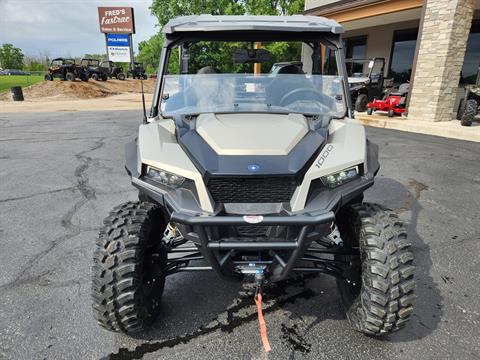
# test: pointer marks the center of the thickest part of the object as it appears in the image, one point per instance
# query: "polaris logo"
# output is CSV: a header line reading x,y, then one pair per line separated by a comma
x,y
253,168
253,219
323,156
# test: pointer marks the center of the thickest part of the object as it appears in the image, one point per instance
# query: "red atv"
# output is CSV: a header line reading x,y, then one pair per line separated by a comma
x,y
393,103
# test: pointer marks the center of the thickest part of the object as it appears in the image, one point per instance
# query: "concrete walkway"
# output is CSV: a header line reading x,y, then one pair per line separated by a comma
x,y
449,129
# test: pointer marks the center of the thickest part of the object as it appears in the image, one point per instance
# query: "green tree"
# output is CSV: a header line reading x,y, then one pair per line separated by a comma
x,y
11,57
165,10
149,52
218,53
95,56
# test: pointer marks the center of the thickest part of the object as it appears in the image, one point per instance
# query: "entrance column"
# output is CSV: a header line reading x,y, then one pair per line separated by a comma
x,y
443,41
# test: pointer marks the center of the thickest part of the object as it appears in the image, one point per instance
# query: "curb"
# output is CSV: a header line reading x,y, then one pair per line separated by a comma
x,y
450,129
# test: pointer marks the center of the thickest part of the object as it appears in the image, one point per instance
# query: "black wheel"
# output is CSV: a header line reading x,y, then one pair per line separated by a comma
x,y
128,267
461,109
361,103
121,76
84,76
104,77
95,77
48,77
378,292
391,113
70,76
469,113
369,111
145,77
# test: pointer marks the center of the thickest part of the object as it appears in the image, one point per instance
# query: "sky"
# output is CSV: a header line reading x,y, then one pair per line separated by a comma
x,y
66,28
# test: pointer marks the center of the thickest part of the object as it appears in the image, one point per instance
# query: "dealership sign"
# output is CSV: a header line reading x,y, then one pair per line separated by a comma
x,y
118,46
116,20
118,40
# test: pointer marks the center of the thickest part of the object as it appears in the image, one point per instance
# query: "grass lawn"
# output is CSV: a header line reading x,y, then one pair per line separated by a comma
x,y
7,81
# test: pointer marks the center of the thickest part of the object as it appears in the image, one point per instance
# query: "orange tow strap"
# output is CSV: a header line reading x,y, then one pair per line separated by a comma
x,y
263,325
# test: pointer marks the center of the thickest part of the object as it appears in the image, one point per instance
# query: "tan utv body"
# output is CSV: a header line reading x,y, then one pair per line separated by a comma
x,y
253,176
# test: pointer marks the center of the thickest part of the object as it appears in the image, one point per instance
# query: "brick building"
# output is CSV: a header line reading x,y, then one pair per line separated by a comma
x,y
434,44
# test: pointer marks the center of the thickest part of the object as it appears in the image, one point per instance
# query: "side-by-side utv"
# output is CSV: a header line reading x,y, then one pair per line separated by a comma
x,y
137,71
469,102
366,79
95,71
66,69
112,70
253,176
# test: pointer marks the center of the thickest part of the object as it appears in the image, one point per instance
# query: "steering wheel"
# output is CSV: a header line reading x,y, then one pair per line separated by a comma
x,y
316,95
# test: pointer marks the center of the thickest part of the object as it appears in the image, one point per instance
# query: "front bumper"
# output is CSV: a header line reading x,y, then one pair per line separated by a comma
x,y
222,250
286,253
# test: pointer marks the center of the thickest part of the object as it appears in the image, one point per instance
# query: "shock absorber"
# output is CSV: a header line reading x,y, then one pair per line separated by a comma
x,y
334,236
171,235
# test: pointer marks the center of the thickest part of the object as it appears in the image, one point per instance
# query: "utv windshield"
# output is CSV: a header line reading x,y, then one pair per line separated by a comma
x,y
284,93
222,77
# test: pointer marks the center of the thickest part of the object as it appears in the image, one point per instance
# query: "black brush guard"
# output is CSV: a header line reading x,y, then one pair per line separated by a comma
x,y
312,228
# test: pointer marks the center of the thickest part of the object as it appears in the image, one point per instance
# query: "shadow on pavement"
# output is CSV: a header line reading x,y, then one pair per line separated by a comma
x,y
428,307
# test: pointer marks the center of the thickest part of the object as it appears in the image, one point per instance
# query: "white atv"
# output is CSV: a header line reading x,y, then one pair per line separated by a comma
x,y
249,174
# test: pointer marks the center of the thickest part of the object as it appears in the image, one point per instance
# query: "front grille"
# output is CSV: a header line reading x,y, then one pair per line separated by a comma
x,y
253,231
251,189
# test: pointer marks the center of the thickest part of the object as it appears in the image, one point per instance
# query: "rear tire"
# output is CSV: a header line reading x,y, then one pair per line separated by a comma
x,y
361,103
380,295
70,76
121,76
128,275
369,111
48,77
95,77
391,113
469,113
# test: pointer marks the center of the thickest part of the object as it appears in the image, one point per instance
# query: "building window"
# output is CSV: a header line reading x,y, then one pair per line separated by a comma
x,y
355,48
403,52
472,55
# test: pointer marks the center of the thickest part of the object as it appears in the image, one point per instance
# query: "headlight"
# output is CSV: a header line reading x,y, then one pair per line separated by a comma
x,y
164,177
341,177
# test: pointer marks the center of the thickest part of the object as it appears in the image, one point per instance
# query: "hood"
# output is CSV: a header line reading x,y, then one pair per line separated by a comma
x,y
247,134
251,144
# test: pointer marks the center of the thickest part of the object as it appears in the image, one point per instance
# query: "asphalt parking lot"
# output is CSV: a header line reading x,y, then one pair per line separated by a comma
x,y
60,173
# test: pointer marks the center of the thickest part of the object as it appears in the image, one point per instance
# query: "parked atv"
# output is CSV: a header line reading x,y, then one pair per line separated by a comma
x,y
137,71
112,70
253,177
94,69
66,69
469,103
366,81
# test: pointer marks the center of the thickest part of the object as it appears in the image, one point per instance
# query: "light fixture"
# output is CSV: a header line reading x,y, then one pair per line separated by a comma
x,y
341,177
164,177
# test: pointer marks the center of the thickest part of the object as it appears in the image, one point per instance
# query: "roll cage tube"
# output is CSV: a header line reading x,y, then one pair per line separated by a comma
x,y
329,40
340,58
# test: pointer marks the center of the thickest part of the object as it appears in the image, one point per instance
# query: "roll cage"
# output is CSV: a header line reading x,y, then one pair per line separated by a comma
x,y
311,30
